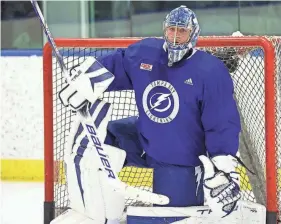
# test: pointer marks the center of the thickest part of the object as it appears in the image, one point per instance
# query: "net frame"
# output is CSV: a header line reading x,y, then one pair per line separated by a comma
x,y
270,104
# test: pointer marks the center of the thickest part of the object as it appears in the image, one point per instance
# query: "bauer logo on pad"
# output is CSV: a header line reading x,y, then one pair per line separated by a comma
x,y
147,67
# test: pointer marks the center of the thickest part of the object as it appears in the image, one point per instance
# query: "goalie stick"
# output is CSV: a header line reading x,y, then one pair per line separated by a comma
x,y
90,128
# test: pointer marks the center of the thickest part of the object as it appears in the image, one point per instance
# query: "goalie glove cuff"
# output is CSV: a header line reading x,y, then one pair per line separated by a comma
x,y
221,188
228,164
225,163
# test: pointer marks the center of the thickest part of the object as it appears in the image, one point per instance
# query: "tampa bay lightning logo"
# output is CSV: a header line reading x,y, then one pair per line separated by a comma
x,y
160,101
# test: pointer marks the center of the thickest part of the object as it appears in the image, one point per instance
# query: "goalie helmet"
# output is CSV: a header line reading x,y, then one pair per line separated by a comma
x,y
180,23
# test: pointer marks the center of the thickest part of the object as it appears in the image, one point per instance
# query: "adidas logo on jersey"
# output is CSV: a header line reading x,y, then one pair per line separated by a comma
x,y
189,82
147,67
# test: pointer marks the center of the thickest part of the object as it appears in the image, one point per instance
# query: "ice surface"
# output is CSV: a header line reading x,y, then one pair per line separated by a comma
x,y
21,203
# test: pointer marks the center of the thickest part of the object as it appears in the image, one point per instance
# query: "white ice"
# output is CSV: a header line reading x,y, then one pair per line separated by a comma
x,y
21,203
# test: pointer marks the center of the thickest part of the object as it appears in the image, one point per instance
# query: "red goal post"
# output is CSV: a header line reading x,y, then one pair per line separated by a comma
x,y
242,45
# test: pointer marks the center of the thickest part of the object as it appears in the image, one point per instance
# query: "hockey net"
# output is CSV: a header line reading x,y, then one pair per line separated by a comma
x,y
257,82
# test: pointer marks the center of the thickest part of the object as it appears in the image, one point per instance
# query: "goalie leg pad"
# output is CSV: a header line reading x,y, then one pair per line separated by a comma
x,y
100,113
157,215
246,212
117,157
183,185
90,190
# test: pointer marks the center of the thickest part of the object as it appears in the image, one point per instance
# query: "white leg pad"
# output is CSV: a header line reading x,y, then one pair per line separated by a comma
x,y
246,212
116,156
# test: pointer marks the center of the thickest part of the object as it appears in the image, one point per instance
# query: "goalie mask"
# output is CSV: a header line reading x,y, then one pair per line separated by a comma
x,y
181,31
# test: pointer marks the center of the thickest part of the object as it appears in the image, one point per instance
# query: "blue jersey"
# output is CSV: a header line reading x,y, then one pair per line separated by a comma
x,y
185,110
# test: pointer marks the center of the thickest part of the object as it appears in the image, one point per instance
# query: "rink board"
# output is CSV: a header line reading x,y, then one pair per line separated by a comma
x,y
33,171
